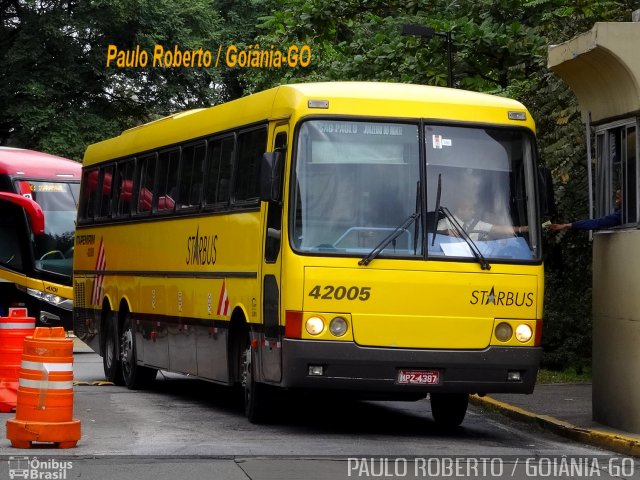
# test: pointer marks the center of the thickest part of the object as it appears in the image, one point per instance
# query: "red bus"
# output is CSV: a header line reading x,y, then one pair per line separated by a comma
x,y
36,260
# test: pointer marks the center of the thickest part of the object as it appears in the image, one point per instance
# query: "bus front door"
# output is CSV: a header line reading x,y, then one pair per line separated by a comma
x,y
271,358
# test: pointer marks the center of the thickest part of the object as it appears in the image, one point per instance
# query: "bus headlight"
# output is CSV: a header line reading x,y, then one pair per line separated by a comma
x,y
338,326
51,299
314,325
523,333
504,332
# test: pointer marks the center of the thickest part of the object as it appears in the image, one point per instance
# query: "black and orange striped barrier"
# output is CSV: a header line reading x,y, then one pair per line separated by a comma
x,y
13,330
44,410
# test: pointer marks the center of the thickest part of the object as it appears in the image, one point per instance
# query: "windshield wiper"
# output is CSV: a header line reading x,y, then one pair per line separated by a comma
x,y
416,231
388,239
465,236
437,210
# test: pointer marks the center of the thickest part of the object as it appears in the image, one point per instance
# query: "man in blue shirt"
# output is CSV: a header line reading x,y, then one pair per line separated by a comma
x,y
608,221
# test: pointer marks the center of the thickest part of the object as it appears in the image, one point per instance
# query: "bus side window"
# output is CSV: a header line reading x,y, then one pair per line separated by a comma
x,y
251,147
191,175
147,170
107,182
125,194
274,213
88,198
167,180
145,199
11,219
218,171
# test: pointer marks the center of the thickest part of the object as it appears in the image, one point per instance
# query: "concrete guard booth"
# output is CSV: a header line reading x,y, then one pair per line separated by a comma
x,y
602,67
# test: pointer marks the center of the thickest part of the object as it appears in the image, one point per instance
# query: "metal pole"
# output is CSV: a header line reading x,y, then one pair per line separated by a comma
x,y
450,60
426,32
589,172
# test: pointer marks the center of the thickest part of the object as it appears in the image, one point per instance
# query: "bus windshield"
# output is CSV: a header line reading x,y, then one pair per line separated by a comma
x,y
59,200
357,182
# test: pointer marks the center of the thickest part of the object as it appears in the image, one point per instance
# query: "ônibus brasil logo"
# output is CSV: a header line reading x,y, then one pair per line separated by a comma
x,y
33,468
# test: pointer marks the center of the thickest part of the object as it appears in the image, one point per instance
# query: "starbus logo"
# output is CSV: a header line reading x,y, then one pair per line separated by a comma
x,y
32,468
201,249
504,298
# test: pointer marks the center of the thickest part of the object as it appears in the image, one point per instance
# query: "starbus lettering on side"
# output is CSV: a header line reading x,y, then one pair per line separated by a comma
x,y
201,249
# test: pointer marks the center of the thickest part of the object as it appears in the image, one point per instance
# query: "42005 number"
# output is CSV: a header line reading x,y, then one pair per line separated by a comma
x,y
340,292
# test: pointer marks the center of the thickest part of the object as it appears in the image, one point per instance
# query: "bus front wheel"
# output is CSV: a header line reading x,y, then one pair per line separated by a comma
x,y
449,409
135,376
110,362
255,407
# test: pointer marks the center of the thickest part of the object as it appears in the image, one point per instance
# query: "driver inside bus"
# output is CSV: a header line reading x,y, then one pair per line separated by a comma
x,y
465,215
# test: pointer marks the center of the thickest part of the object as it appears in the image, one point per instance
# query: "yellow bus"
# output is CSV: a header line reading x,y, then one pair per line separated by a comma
x,y
312,236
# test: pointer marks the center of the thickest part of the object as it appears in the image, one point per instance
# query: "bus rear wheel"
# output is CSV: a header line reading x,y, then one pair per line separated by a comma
x,y
449,409
135,376
255,395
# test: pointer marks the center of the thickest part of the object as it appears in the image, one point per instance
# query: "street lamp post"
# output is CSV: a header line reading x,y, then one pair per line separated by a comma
x,y
426,32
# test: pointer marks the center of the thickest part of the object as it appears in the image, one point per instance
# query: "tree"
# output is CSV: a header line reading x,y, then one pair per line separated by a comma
x,y
57,92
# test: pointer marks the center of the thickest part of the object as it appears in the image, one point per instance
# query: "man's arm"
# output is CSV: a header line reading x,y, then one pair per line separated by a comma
x,y
608,221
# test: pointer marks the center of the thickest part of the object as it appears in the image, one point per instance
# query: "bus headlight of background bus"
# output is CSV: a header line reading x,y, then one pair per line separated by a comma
x,y
51,299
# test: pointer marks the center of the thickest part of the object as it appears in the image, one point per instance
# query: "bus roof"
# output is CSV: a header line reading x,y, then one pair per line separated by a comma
x,y
366,99
21,163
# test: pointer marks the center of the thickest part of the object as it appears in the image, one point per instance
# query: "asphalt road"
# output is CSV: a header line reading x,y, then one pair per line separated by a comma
x,y
185,428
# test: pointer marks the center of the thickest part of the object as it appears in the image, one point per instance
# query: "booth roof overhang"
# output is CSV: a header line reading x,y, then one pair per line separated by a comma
x,y
602,67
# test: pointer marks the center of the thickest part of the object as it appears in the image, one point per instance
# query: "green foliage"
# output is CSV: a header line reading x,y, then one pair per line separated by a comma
x,y
568,375
58,95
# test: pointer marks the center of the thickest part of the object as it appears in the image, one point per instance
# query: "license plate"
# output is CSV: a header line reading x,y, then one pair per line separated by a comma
x,y
419,377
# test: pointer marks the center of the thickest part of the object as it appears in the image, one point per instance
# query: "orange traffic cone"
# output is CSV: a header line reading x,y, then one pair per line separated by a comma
x,y
13,330
44,411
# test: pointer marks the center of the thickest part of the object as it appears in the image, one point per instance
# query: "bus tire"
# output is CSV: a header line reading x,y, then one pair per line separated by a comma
x,y
110,359
448,409
135,376
255,393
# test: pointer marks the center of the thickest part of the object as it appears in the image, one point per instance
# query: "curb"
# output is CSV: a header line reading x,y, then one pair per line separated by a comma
x,y
610,441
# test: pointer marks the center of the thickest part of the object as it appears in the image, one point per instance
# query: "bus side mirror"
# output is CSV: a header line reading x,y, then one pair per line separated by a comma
x,y
545,191
31,208
271,177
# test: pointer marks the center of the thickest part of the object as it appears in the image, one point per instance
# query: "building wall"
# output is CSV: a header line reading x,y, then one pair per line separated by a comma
x,y
616,329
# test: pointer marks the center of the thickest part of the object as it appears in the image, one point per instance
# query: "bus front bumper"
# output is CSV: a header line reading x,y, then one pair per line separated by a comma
x,y
348,366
